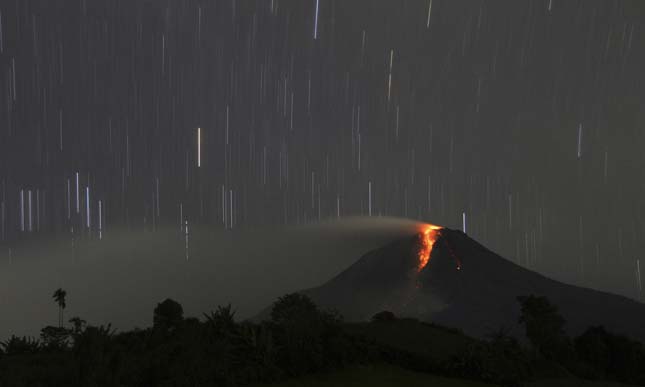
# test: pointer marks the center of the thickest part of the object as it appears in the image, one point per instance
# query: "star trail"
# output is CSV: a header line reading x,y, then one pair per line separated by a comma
x,y
524,118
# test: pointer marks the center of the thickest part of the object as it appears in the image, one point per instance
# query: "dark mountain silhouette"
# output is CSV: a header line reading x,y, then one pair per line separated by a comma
x,y
467,286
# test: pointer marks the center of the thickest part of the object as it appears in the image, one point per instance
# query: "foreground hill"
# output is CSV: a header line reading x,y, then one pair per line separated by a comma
x,y
378,376
467,286
389,376
304,345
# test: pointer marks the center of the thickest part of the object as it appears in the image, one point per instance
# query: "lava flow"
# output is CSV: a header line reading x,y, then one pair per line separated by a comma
x,y
429,234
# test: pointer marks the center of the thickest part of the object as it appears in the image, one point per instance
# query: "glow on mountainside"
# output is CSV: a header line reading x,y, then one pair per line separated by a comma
x,y
428,235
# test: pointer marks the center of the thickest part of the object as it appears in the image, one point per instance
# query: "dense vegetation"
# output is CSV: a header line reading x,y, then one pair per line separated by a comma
x,y
300,339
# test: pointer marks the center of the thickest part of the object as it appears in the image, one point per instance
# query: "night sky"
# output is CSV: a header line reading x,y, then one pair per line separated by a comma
x,y
521,120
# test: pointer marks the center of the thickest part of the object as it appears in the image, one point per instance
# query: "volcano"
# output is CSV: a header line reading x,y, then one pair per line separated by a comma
x,y
444,276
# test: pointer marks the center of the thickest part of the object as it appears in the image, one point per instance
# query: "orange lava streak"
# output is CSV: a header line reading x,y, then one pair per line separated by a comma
x,y
429,234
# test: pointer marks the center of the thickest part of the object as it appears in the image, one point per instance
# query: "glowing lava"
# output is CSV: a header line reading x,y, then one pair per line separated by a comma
x,y
428,234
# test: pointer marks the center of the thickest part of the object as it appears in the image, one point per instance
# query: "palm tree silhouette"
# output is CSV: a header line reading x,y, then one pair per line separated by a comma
x,y
59,297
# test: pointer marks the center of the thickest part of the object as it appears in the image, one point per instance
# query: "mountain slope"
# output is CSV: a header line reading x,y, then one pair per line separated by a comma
x,y
467,286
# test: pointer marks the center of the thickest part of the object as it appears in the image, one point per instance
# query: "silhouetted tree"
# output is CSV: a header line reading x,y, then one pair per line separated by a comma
x,y
293,307
611,356
20,345
221,337
93,352
385,315
78,325
59,296
545,328
222,319
168,314
305,334
54,338
500,360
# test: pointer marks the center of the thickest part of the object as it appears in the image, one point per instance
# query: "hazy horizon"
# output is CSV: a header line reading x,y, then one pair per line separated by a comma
x,y
122,277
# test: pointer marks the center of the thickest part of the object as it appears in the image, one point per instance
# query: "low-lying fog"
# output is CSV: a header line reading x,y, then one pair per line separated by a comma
x,y
121,278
